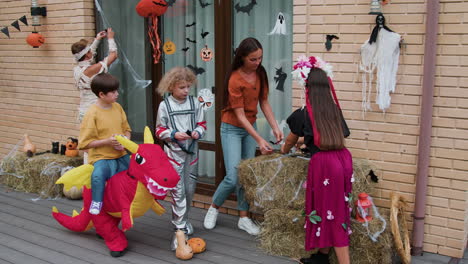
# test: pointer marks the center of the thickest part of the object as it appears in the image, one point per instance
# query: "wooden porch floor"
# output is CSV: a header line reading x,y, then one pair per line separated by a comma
x,y
29,234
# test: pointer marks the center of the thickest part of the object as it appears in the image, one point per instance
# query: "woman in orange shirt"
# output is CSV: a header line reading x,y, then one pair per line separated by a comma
x,y
246,87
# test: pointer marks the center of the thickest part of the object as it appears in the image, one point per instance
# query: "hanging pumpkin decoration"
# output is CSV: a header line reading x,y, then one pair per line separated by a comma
x,y
197,244
72,147
152,9
169,47
35,39
206,54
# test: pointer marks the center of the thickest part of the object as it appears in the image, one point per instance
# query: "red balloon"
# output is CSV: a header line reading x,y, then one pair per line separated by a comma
x,y
147,8
35,39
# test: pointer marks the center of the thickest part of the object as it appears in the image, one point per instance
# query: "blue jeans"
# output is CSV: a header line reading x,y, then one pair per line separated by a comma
x,y
103,170
237,144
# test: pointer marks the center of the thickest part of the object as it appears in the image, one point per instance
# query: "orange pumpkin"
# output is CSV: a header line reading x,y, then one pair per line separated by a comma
x,y
197,244
147,8
35,39
72,147
206,54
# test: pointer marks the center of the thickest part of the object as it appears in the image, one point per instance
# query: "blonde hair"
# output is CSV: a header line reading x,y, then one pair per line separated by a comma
x,y
172,77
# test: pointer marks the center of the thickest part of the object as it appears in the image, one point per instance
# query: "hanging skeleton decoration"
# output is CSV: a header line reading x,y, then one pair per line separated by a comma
x,y
280,26
380,53
206,98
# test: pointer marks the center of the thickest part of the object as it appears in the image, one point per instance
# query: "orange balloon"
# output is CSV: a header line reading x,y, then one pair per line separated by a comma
x,y
35,39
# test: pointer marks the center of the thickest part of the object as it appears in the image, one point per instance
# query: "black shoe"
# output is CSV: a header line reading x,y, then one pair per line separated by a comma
x,y
318,258
117,254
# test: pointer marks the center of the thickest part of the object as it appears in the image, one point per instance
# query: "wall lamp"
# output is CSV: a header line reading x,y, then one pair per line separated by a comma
x,y
375,7
36,12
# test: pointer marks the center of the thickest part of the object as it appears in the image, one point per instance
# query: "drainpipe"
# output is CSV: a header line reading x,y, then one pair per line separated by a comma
x,y
425,129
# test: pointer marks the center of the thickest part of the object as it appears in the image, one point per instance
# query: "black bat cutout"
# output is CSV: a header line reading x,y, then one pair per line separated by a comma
x,y
186,49
159,4
189,25
328,43
203,5
196,70
170,2
247,8
189,40
374,177
203,34
280,78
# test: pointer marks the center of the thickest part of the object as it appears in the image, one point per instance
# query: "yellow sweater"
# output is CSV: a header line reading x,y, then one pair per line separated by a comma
x,y
99,123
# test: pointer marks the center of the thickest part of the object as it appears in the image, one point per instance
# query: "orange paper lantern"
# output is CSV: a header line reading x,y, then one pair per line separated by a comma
x,y
35,39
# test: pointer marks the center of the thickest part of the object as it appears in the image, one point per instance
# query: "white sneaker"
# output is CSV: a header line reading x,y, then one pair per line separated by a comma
x,y
210,218
95,208
248,226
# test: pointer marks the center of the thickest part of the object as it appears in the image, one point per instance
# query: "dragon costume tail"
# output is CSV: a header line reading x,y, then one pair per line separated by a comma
x,y
78,222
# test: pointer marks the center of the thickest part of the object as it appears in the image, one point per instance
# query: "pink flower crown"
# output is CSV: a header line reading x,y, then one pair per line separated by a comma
x,y
303,66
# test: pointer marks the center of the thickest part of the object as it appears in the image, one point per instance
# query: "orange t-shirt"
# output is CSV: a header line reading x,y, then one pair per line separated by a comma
x,y
242,94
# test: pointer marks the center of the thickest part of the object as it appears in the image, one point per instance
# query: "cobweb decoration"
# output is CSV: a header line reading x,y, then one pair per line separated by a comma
x,y
133,79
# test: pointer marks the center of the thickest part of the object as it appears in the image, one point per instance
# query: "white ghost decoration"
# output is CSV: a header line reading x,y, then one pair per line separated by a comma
x,y
205,97
280,26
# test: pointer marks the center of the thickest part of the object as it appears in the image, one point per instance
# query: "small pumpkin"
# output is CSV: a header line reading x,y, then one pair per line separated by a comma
x,y
28,147
206,54
183,250
72,147
35,39
73,193
169,47
197,244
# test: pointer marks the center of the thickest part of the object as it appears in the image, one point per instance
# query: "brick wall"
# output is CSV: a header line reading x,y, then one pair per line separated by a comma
x,y
37,95
390,140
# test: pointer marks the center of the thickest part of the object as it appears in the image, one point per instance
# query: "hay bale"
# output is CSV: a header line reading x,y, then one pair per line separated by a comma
x,y
275,181
363,250
36,174
283,233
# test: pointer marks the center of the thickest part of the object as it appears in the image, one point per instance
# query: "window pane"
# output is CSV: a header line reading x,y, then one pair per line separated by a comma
x,y
269,21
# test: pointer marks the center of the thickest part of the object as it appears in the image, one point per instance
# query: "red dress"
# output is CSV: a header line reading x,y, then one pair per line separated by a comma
x,y
329,185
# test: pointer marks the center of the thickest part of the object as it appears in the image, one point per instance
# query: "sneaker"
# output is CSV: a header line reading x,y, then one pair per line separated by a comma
x,y
95,208
189,227
174,243
210,218
248,226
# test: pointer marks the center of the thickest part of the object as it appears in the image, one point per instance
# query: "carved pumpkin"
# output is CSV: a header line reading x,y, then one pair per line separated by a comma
x,y
147,8
183,251
28,147
197,244
72,145
206,54
74,193
35,39
169,47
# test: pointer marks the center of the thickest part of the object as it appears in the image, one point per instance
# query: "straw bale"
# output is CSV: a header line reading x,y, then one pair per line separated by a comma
x,y
36,174
275,181
283,234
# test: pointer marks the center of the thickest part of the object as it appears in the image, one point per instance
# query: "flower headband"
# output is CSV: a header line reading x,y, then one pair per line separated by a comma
x,y
303,66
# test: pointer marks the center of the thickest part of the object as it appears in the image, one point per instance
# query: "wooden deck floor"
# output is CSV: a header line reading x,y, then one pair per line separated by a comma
x,y
29,234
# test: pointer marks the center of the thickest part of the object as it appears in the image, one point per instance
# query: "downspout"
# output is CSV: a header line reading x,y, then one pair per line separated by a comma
x,y
425,129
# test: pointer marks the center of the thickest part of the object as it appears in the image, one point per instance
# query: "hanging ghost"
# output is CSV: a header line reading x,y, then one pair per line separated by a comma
x,y
206,98
280,26
380,53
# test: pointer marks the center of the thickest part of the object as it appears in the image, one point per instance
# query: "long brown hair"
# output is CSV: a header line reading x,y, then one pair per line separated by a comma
x,y
327,115
246,47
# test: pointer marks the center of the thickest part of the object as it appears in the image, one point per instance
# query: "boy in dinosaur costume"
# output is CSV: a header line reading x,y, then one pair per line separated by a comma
x,y
127,194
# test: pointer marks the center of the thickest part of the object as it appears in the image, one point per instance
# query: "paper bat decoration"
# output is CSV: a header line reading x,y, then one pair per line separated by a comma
x,y
328,43
203,5
203,34
196,70
185,49
189,40
189,25
247,8
280,78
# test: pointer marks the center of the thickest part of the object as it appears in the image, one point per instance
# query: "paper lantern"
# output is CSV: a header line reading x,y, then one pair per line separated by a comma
x,y
35,39
152,9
